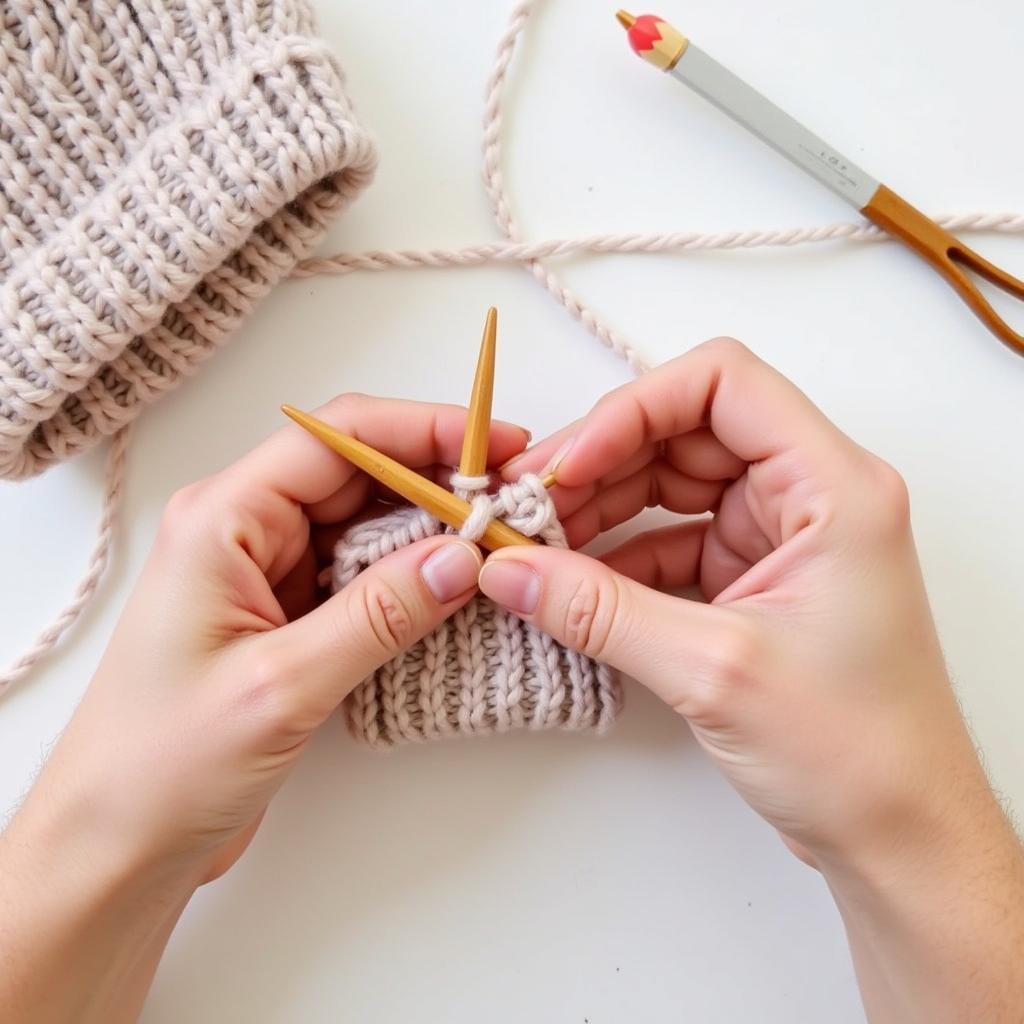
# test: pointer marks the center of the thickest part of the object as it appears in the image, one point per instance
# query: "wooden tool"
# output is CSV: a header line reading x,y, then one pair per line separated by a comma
x,y
668,49
473,461
410,485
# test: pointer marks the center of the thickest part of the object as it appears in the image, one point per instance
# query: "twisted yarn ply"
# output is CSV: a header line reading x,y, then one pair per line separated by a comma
x,y
484,670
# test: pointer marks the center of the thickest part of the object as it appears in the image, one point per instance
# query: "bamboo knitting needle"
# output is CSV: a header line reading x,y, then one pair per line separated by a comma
x,y
473,461
668,49
436,500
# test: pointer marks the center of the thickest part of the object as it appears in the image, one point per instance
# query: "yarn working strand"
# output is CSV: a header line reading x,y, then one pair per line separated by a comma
x,y
512,250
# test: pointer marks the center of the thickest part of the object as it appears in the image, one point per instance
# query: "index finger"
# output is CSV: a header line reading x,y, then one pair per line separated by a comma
x,y
297,466
751,408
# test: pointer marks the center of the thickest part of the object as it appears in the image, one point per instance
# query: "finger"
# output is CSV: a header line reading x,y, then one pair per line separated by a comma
x,y
721,566
352,496
665,559
753,411
256,504
297,466
312,664
701,455
669,644
325,538
297,592
541,457
656,486
344,503
738,523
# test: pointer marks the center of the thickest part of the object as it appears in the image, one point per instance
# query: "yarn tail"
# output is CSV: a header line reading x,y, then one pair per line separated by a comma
x,y
86,589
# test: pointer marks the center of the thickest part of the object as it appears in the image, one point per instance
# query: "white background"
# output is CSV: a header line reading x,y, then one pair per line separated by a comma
x,y
559,878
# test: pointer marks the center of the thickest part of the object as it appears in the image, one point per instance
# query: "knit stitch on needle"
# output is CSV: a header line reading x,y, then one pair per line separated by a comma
x,y
484,670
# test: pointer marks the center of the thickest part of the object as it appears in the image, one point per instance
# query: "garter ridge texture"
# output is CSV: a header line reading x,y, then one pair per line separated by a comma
x,y
163,163
484,670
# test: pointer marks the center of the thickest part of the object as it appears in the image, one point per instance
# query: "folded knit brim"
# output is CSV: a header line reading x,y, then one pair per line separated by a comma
x,y
160,171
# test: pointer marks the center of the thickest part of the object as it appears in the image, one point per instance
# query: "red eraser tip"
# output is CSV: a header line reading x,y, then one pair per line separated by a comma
x,y
644,32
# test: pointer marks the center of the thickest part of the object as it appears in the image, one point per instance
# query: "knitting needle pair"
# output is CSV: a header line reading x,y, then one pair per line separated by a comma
x,y
447,507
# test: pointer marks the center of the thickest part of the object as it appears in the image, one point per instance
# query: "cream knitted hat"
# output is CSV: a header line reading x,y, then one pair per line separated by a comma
x,y
163,163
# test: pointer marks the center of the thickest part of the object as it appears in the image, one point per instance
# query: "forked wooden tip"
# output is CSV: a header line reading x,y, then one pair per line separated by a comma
x,y
626,20
473,460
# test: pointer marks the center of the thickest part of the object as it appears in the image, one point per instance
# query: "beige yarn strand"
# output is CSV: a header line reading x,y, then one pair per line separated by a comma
x,y
512,250
98,560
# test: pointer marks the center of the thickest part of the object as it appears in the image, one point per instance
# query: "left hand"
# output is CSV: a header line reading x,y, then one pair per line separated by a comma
x,y
218,673
208,692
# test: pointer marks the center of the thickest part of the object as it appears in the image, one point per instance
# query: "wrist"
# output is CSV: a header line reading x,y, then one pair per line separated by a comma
x,y
935,916
64,837
85,918
42,851
926,853
911,799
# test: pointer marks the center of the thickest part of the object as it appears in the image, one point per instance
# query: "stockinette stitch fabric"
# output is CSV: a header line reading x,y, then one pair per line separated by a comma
x,y
163,163
484,670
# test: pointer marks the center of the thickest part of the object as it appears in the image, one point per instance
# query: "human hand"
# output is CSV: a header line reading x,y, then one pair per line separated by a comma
x,y
219,671
816,658
813,677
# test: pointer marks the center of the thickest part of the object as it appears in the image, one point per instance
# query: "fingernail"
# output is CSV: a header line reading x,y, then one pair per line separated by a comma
x,y
557,459
520,427
512,584
451,571
511,462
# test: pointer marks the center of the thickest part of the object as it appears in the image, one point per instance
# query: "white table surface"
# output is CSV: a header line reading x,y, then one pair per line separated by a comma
x,y
558,878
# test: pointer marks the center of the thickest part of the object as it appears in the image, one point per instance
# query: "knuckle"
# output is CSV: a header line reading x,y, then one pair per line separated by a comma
x,y
591,613
890,499
385,617
727,349
181,508
607,400
735,661
269,696
345,405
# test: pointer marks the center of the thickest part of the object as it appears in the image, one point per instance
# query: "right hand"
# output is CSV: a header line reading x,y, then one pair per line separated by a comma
x,y
814,677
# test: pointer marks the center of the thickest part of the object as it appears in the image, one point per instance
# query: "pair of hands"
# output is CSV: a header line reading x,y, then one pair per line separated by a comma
x,y
812,676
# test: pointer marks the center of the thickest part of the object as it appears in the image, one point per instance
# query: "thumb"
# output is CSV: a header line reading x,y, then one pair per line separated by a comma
x,y
325,654
669,644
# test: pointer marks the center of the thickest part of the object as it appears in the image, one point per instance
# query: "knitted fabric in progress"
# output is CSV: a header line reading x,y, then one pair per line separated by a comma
x,y
484,670
162,165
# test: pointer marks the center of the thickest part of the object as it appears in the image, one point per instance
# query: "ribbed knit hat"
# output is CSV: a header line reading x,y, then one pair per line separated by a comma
x,y
162,165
